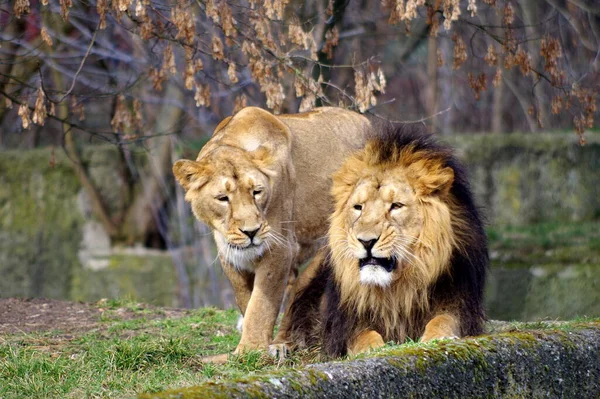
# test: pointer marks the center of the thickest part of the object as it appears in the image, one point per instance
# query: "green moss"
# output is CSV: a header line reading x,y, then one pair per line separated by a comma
x,y
150,278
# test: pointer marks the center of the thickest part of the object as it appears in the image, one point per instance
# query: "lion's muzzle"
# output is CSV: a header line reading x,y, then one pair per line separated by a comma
x,y
376,271
389,264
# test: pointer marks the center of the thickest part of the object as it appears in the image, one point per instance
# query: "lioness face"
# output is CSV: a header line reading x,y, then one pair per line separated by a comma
x,y
232,198
382,219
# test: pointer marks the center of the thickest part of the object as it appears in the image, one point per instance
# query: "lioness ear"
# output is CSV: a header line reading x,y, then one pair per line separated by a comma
x,y
434,179
189,172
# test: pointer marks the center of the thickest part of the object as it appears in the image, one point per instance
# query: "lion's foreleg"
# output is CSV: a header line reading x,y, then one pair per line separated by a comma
x,y
263,307
445,325
365,341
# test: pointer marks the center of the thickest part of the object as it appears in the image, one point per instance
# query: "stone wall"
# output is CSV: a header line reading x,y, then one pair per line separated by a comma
x,y
40,224
532,178
50,246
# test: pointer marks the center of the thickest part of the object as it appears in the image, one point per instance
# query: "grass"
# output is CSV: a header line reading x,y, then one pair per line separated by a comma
x,y
125,357
121,357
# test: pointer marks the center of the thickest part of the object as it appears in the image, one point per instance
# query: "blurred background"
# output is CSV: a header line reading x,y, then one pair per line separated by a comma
x,y
99,98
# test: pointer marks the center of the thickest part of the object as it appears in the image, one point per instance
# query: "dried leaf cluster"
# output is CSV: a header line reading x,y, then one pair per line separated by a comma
x,y
211,47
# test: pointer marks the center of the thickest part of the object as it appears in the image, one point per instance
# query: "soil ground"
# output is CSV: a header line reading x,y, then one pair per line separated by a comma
x,y
27,315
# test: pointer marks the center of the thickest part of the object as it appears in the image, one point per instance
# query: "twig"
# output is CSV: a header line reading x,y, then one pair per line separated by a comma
x,y
422,120
87,53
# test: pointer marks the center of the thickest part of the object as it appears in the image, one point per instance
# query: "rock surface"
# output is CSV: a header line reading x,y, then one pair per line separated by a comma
x,y
556,363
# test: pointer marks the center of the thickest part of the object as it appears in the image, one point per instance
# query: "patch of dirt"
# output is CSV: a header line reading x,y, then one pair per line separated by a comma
x,y
19,315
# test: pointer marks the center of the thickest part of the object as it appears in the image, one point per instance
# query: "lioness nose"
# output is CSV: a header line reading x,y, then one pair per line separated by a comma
x,y
368,244
250,233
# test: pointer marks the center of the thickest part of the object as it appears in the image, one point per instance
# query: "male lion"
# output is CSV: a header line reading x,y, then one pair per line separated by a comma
x,y
262,184
407,253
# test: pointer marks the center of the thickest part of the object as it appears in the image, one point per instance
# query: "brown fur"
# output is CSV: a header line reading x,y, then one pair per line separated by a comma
x,y
274,172
410,196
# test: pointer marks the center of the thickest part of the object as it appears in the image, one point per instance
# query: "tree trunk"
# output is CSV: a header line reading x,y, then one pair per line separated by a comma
x,y
498,125
532,30
98,207
147,201
432,77
339,6
522,100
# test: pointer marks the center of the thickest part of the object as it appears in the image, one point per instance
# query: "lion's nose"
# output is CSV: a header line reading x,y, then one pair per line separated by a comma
x,y
368,244
250,233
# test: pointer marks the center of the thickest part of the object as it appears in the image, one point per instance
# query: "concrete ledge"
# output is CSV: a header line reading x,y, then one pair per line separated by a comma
x,y
562,362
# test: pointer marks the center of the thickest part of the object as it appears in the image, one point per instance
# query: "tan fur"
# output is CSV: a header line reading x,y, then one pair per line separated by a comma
x,y
420,234
442,326
366,341
288,160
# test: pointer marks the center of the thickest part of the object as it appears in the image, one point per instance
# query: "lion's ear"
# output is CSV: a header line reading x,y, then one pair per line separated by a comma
x,y
433,178
190,173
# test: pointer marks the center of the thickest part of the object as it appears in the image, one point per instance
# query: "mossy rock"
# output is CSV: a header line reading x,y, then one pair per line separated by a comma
x,y
559,362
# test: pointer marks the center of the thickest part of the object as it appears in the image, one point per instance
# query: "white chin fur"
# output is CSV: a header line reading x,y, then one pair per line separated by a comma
x,y
375,275
241,259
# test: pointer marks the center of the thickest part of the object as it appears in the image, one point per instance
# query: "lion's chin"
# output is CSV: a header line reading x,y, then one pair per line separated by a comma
x,y
376,276
376,271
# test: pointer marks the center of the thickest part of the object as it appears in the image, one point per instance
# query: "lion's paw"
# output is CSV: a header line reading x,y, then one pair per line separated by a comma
x,y
279,351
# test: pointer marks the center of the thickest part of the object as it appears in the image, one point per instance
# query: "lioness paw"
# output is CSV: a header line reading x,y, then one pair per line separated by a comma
x,y
215,359
240,324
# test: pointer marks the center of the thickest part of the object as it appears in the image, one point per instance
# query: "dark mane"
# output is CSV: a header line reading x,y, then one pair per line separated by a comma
x,y
390,137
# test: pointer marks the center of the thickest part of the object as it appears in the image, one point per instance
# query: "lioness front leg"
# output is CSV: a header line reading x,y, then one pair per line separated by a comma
x,y
365,341
270,280
242,283
282,344
444,325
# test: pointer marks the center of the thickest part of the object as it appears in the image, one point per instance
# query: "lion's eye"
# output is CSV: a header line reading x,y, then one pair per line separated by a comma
x,y
256,192
396,205
358,207
223,198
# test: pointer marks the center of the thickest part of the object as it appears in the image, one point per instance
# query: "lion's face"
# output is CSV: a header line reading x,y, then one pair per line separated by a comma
x,y
230,193
391,222
382,221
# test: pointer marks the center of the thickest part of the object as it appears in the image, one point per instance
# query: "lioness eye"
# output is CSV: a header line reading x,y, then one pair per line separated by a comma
x,y
223,198
256,192
358,207
396,205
